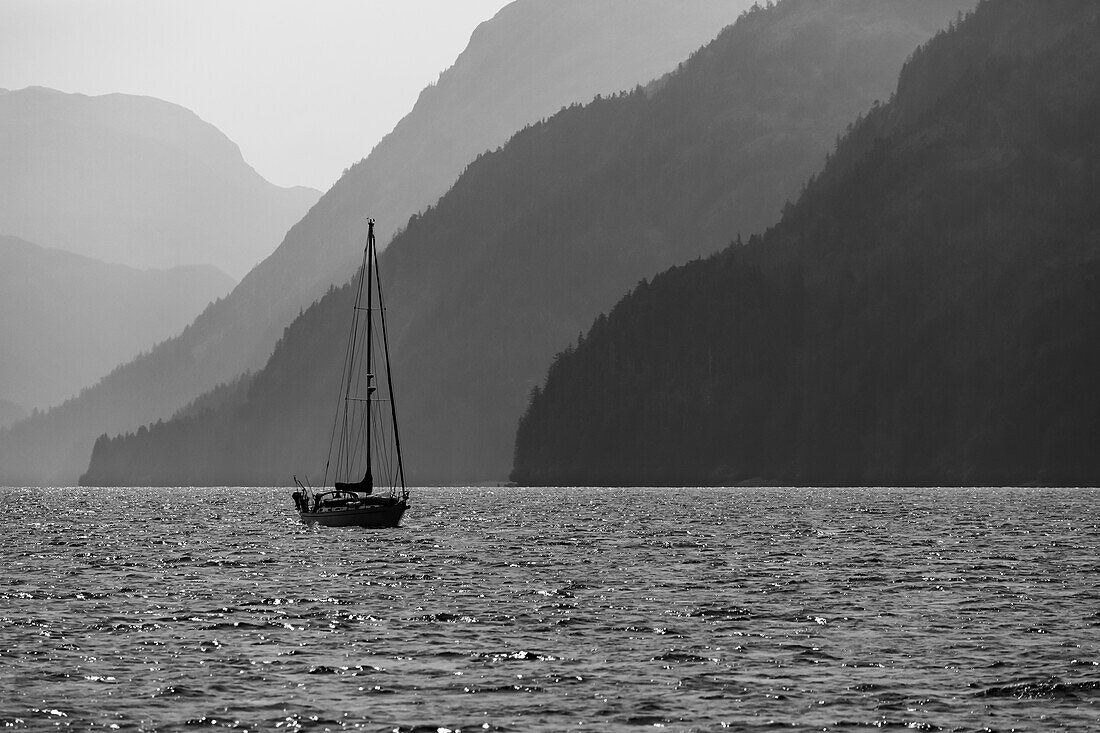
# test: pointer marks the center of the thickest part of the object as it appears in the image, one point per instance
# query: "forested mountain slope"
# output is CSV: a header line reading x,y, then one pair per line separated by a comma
x,y
928,313
137,181
66,320
533,58
536,239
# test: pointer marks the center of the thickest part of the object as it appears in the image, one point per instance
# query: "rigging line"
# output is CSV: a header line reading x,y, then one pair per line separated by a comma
x,y
384,446
349,363
336,413
348,425
353,443
388,470
379,427
389,383
377,439
347,445
386,459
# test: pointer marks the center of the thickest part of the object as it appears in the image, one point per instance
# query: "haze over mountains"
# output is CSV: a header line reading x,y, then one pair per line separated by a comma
x,y
135,180
11,412
66,320
500,83
928,313
538,238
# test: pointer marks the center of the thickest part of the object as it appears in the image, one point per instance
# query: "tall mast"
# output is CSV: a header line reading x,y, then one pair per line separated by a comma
x,y
370,344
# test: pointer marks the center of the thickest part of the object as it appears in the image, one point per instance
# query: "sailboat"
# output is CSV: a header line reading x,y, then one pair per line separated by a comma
x,y
364,456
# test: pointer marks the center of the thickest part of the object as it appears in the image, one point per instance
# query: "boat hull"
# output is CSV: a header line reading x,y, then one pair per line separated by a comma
x,y
369,516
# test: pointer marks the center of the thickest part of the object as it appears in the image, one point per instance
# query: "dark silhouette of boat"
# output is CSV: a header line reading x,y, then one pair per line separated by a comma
x,y
365,442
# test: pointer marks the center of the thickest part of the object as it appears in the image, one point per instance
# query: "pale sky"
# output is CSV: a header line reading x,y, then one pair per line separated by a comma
x,y
305,87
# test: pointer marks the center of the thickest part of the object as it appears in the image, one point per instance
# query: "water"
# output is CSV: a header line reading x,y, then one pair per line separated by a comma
x,y
520,609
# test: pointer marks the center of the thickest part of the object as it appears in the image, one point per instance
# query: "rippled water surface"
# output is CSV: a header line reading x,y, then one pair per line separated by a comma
x,y
522,609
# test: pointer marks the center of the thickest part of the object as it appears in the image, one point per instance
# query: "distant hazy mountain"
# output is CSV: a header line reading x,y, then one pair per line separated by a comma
x,y
135,180
66,320
533,58
929,312
538,238
10,412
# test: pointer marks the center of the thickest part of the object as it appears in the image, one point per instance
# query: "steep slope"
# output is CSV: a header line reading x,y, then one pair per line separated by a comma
x,y
536,239
10,412
66,320
135,180
927,314
497,85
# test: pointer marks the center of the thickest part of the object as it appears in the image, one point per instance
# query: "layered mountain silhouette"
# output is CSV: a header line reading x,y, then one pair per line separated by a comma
x,y
536,239
135,180
66,320
533,58
928,313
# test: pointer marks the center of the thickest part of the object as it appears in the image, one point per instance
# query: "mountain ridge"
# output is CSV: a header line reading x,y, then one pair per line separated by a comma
x,y
53,349
925,314
536,238
134,180
402,174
